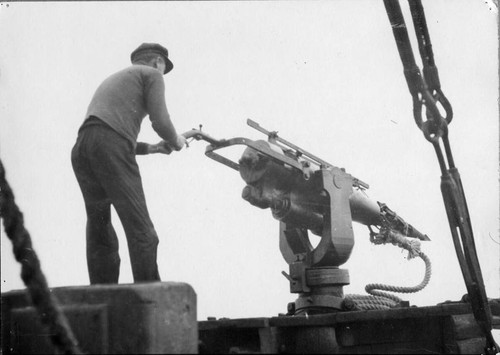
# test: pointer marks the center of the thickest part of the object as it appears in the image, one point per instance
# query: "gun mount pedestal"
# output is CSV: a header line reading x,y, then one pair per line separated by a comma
x,y
314,271
320,289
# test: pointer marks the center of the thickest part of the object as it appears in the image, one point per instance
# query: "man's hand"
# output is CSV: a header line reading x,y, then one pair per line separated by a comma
x,y
165,147
180,142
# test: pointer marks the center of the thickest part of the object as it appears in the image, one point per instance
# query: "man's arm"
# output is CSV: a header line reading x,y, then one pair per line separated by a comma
x,y
142,148
146,148
158,113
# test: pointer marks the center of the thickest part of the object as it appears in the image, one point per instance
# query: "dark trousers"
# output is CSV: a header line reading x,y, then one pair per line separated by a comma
x,y
107,172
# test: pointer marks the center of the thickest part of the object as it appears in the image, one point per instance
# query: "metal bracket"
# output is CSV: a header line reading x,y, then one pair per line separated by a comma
x,y
257,145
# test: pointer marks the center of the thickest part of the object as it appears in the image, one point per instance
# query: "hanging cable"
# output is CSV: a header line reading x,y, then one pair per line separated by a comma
x,y
45,303
426,91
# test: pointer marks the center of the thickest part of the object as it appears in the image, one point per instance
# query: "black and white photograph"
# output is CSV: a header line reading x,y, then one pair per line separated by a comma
x,y
250,176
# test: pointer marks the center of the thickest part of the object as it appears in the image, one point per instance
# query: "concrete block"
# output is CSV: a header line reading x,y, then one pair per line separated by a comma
x,y
146,318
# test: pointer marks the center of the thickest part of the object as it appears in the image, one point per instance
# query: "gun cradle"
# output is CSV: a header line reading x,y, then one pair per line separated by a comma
x,y
322,201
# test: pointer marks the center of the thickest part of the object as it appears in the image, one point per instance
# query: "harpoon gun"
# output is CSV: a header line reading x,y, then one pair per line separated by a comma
x,y
306,193
280,176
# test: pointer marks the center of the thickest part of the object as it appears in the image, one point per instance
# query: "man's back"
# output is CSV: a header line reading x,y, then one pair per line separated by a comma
x,y
126,97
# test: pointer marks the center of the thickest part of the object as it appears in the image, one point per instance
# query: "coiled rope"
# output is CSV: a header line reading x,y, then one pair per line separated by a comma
x,y
45,303
383,300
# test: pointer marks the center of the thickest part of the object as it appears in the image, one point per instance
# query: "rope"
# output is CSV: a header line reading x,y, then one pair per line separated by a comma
x,y
383,300
45,303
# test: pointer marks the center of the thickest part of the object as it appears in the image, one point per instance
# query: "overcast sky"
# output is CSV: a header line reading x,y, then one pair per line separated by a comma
x,y
325,74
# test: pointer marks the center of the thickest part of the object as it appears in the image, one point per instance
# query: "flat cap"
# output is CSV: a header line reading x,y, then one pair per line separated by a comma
x,y
153,48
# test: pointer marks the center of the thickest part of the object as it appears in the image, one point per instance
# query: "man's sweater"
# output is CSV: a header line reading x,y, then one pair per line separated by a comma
x,y
126,97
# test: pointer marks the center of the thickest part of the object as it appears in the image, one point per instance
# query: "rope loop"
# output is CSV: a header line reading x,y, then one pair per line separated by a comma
x,y
383,300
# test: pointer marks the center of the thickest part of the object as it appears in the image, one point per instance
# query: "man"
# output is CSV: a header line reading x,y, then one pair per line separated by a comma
x,y
104,163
